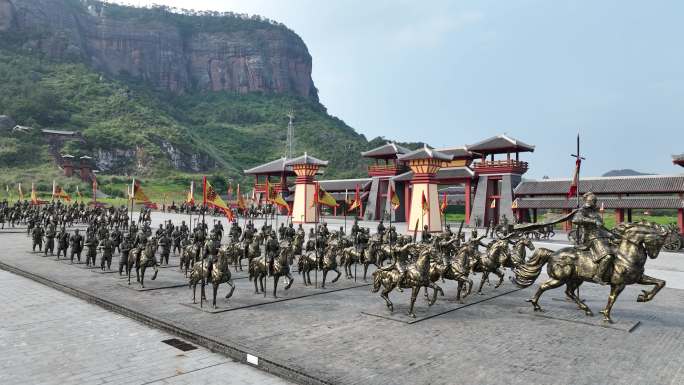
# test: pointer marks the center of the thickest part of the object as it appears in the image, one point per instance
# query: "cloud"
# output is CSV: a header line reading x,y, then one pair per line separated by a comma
x,y
434,30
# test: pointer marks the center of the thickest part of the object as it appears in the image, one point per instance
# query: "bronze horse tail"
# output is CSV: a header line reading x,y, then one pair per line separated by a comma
x,y
377,281
526,274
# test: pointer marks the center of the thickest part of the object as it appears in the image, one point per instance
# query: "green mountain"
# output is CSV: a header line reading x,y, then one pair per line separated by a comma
x,y
157,93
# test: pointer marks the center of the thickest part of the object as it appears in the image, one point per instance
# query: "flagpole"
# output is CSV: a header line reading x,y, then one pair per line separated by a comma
x,y
316,232
346,199
204,207
578,170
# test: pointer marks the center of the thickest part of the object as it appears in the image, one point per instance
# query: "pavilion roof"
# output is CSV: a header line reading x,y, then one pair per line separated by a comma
x,y
276,166
387,150
500,144
345,184
679,159
605,185
306,159
443,173
461,152
424,153
633,202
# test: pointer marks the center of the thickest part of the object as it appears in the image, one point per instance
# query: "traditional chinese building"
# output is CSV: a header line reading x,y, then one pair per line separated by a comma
x,y
678,159
276,172
480,171
622,195
306,168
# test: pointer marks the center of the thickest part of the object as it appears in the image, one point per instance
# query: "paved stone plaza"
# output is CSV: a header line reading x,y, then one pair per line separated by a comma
x,y
345,335
49,337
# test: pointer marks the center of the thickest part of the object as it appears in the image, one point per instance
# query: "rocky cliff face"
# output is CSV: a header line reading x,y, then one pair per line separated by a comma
x,y
173,52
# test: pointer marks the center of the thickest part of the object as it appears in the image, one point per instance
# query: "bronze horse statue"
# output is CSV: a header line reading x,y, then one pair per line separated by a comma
x,y
189,256
572,266
305,264
497,255
142,258
220,273
456,269
258,269
235,251
417,275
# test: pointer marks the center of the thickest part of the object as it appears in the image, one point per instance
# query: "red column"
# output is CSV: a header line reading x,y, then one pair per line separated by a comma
x,y
619,216
680,220
335,211
407,202
467,201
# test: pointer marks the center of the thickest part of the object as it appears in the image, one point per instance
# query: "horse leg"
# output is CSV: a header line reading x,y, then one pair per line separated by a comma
x,y
338,275
646,296
262,277
458,291
290,281
213,302
156,271
325,274
142,276
276,278
303,273
256,289
570,293
385,296
550,284
500,274
482,281
365,270
470,287
194,292
435,289
414,294
232,288
615,291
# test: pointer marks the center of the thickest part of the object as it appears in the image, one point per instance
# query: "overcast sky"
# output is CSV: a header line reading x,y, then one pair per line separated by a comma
x,y
455,72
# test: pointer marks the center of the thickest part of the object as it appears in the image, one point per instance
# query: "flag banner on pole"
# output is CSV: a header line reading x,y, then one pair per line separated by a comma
x,y
190,199
280,201
21,193
34,196
315,197
394,198
356,203
230,191
240,199
574,185
445,203
212,198
424,203
514,205
59,193
493,204
137,192
603,208
325,198
78,193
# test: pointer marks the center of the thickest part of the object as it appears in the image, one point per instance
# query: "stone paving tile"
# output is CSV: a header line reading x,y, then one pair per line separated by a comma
x,y
327,337
48,337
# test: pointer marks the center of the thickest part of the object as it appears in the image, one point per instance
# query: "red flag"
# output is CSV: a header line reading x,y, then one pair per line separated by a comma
x,y
357,200
424,203
574,185
394,198
444,204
